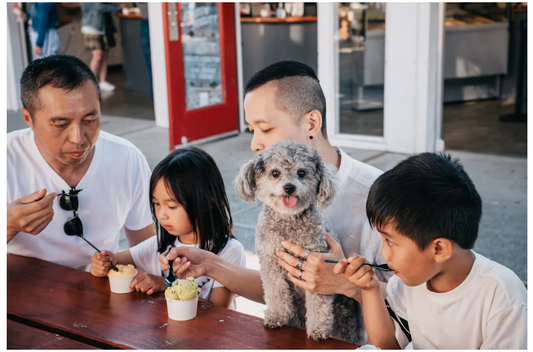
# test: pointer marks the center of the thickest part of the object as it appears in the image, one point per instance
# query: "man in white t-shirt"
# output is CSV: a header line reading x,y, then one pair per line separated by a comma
x,y
102,180
284,101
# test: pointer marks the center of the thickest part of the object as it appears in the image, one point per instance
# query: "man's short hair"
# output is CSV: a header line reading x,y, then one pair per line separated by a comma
x,y
298,89
59,71
425,197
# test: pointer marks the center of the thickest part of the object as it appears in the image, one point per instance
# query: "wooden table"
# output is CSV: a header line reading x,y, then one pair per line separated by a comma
x,y
43,297
25,337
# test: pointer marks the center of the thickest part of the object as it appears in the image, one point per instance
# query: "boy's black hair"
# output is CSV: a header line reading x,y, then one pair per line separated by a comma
x,y
425,197
192,177
59,71
300,95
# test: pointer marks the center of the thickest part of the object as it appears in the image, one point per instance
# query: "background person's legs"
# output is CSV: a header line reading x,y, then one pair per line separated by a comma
x,y
96,62
103,67
102,77
145,45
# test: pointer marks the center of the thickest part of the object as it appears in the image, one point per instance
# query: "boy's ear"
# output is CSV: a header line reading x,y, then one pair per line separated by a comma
x,y
442,249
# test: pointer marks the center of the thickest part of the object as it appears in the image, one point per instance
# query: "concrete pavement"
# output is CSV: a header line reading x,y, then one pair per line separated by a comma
x,y
501,182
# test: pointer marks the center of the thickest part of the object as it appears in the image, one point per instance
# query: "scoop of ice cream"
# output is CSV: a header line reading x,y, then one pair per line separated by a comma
x,y
368,347
183,290
123,271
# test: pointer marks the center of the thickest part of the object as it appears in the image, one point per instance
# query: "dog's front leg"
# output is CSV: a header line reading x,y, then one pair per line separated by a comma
x,y
319,316
278,295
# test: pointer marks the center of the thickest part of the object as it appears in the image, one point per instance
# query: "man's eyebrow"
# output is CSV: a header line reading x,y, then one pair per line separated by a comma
x,y
257,122
92,112
59,119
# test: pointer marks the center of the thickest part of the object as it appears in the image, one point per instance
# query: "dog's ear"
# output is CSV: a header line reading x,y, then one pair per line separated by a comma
x,y
328,186
245,186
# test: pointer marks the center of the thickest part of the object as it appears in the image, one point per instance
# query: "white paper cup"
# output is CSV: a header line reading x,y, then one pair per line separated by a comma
x,y
121,284
182,310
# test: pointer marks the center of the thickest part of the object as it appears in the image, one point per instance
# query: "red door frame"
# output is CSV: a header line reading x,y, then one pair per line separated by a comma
x,y
207,121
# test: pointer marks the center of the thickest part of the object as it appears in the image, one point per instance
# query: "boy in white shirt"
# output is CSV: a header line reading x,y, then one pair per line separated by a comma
x,y
444,295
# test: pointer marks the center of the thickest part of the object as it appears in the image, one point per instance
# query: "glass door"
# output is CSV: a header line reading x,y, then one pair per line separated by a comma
x,y
201,71
361,58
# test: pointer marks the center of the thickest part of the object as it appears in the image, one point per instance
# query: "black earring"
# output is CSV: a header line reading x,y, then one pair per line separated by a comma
x,y
310,137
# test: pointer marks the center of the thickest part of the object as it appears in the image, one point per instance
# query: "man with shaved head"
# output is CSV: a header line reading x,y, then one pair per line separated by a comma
x,y
66,178
284,101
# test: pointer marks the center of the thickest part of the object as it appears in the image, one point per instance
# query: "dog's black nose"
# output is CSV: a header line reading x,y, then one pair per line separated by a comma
x,y
289,188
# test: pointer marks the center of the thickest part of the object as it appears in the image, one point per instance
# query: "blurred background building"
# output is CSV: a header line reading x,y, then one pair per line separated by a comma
x,y
398,77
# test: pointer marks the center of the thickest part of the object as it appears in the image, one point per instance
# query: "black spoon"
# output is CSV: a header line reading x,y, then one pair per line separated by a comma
x,y
169,280
99,251
382,267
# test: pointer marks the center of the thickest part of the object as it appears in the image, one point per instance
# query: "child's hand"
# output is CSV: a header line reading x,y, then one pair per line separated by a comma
x,y
101,263
358,274
148,283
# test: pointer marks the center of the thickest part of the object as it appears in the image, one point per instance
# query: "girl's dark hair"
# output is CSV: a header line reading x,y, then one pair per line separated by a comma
x,y
192,177
425,197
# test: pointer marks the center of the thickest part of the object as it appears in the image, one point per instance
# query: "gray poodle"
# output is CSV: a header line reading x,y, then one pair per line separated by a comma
x,y
293,183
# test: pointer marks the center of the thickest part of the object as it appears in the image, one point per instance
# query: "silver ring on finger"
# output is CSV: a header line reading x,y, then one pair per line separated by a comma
x,y
300,274
306,255
299,264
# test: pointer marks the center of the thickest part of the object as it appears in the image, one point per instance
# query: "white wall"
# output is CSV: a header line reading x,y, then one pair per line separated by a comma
x,y
15,61
413,77
159,66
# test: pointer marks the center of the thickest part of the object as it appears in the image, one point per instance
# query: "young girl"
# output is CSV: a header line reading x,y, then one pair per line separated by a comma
x,y
190,208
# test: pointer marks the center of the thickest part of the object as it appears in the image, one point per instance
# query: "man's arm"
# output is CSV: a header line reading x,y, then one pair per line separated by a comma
x,y
136,237
197,262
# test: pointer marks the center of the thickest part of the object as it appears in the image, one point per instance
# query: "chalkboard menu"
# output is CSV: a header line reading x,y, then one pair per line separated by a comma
x,y
201,54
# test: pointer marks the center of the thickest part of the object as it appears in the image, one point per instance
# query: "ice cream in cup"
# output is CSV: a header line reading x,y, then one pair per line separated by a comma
x,y
182,299
119,281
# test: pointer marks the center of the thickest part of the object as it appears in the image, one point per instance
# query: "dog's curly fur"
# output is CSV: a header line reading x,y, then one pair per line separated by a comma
x,y
295,169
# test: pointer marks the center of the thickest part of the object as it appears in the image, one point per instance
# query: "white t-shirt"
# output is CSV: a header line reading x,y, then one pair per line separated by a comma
x,y
488,310
347,213
146,257
115,194
347,216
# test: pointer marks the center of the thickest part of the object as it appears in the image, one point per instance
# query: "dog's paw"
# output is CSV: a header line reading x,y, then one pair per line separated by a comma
x,y
273,325
274,322
318,335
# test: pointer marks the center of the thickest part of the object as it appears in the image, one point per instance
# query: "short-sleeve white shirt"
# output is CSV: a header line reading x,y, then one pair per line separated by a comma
x,y
146,257
488,310
115,195
347,216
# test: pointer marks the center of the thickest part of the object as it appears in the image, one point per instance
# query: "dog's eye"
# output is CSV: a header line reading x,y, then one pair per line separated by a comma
x,y
301,173
275,173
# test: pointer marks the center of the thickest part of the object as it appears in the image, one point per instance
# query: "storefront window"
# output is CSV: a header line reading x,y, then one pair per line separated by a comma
x,y
200,38
361,67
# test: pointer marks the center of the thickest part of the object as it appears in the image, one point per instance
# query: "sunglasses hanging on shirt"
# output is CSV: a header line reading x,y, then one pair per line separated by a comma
x,y
73,227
